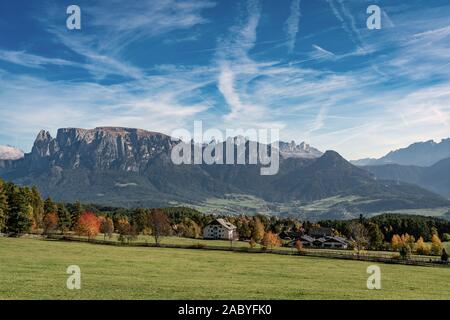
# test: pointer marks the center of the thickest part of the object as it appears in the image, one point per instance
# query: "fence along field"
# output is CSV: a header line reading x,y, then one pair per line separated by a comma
x,y
242,246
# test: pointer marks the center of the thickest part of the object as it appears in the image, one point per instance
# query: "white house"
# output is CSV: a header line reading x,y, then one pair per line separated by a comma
x,y
220,229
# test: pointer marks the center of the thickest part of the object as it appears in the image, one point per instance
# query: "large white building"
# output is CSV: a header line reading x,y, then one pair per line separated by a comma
x,y
220,229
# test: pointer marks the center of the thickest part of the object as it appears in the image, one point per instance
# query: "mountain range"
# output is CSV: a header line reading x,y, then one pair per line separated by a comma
x,y
132,167
426,164
422,154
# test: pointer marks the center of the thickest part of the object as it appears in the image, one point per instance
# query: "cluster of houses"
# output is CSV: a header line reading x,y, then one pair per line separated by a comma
x,y
315,237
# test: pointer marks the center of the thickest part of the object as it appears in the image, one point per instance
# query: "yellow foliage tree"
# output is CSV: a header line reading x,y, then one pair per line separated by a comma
x,y
257,230
436,245
422,247
408,241
396,242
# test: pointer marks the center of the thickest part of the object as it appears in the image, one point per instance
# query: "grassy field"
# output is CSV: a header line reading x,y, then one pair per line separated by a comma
x,y
36,269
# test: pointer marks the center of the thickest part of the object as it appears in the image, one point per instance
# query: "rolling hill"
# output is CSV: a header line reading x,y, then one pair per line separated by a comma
x,y
435,178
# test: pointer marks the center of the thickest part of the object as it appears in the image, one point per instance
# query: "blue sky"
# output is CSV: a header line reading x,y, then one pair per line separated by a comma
x,y
308,67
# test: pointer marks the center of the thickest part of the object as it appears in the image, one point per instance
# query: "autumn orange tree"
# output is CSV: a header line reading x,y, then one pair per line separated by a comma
x,y
87,225
159,224
127,231
271,240
123,228
50,222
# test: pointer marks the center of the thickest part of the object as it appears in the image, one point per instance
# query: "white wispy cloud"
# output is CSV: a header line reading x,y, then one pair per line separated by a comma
x,y
226,86
241,36
158,103
103,50
352,22
387,21
351,108
323,52
30,60
98,64
140,20
235,62
292,24
435,34
319,121
348,24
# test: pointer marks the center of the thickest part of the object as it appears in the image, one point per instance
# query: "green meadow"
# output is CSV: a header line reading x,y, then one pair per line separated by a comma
x,y
36,269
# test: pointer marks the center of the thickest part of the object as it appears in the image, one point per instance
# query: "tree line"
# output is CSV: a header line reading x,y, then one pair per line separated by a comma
x,y
406,234
388,225
23,210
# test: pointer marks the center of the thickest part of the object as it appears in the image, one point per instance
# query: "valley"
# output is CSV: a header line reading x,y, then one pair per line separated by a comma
x,y
328,208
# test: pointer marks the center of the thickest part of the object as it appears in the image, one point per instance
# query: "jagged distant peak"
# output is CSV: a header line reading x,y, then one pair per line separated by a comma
x,y
43,135
301,150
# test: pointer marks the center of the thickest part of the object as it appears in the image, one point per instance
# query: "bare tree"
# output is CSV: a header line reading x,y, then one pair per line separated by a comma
x,y
159,224
360,235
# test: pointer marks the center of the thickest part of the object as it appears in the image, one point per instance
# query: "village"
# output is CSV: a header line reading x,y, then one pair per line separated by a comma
x,y
315,237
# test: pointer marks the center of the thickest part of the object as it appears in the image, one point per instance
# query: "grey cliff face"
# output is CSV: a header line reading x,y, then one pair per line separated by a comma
x,y
102,148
